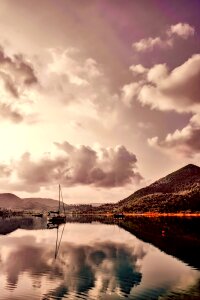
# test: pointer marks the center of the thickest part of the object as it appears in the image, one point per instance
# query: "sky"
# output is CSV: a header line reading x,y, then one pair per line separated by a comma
x,y
101,96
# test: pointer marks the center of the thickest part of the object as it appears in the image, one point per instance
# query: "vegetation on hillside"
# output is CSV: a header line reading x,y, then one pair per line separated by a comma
x,y
177,192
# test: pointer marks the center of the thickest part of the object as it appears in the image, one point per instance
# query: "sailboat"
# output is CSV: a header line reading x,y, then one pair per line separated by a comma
x,y
56,217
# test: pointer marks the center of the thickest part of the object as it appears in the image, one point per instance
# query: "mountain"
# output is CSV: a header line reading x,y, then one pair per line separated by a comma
x,y
8,201
178,191
11,201
39,204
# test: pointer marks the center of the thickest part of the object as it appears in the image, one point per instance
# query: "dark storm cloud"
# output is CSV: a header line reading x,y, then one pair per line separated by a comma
x,y
82,165
34,174
102,167
16,76
16,72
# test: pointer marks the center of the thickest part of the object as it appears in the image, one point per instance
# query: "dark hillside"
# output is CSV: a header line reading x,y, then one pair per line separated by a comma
x,y
8,201
178,191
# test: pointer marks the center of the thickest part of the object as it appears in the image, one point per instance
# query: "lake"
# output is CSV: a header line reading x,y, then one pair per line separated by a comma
x,y
137,258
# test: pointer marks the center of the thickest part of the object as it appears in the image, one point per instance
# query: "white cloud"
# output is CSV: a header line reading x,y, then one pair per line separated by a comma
x,y
69,78
182,30
138,69
176,90
157,73
165,90
185,142
129,91
150,43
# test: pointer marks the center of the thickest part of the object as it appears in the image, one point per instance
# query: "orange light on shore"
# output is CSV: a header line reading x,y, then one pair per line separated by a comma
x,y
151,214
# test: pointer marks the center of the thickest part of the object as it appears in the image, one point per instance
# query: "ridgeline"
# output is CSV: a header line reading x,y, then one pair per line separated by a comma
x,y
174,193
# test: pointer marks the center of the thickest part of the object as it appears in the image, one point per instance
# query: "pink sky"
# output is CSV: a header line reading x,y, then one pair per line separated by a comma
x,y
102,97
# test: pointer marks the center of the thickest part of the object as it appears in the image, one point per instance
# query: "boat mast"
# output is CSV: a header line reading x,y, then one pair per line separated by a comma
x,y
61,195
59,200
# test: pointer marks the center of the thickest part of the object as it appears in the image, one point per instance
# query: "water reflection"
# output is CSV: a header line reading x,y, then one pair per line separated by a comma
x,y
78,267
113,266
58,238
93,261
179,237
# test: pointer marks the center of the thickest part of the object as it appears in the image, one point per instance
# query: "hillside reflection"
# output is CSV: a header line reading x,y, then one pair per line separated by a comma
x,y
179,237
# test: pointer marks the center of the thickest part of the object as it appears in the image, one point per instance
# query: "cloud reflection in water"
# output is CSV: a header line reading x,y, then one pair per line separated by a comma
x,y
104,267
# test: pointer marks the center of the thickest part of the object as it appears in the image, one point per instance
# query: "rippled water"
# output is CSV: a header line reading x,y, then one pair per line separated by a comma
x,y
90,261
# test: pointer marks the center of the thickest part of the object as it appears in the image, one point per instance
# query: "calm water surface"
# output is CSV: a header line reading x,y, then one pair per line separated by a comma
x,y
90,261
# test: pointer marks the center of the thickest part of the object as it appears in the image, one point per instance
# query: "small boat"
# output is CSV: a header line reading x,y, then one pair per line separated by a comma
x,y
40,215
56,217
118,215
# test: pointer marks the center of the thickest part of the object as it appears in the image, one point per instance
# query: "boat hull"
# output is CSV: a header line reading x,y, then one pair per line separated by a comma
x,y
57,220
119,216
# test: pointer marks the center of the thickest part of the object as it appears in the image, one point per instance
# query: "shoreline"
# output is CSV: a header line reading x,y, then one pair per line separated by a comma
x,y
108,214
140,214
164,214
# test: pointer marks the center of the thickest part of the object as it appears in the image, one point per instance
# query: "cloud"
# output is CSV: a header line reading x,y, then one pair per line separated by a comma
x,y
182,30
74,78
77,72
77,83
17,76
170,90
16,73
138,69
5,171
150,43
129,91
103,167
185,142
177,90
71,165
32,174
166,90
8,112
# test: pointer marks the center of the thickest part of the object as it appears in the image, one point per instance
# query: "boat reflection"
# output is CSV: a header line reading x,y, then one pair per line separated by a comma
x,y
58,240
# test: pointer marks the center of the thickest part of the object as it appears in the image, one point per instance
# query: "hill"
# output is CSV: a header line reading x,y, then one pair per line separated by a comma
x,y
13,202
39,204
178,191
9,201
